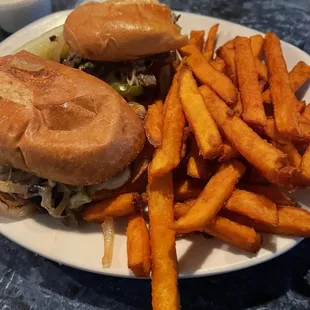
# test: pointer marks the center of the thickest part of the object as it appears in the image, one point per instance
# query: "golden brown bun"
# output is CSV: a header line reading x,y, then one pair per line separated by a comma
x,y
122,30
62,124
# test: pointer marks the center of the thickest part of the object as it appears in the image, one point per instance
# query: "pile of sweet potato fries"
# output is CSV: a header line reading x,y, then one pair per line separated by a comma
x,y
224,150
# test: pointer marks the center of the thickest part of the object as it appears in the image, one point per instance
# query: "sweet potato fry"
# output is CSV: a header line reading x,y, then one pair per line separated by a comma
x,y
298,76
138,246
188,189
205,130
283,98
257,44
196,165
230,43
210,42
196,38
261,69
306,111
271,192
293,222
272,132
238,107
119,206
244,139
164,262
219,64
206,74
257,207
228,55
305,165
228,152
168,155
153,124
226,230
293,157
301,105
212,198
252,102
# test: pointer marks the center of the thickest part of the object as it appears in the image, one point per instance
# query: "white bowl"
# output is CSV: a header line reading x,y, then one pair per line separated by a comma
x,y
15,14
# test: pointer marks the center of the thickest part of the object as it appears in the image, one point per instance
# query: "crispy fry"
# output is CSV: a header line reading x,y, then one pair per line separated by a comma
x,y
228,152
213,196
153,124
219,64
298,76
252,102
186,133
257,207
292,222
228,55
206,74
261,69
210,42
244,139
119,206
283,98
168,155
138,246
188,189
196,165
238,107
306,111
301,105
230,43
271,131
206,133
271,192
197,39
293,157
305,165
226,230
257,44
164,262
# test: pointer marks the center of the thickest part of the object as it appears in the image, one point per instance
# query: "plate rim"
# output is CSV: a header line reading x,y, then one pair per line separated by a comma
x,y
250,262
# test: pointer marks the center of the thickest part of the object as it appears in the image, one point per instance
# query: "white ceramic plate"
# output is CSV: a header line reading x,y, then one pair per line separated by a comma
x,y
83,248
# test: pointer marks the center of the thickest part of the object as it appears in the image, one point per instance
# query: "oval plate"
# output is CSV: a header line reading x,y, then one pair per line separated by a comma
x,y
83,248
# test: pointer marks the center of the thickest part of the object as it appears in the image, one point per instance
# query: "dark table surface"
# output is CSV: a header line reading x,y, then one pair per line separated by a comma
x,y
28,281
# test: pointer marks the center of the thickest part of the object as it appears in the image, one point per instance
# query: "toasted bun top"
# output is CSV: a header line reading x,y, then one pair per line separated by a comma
x,y
122,30
62,124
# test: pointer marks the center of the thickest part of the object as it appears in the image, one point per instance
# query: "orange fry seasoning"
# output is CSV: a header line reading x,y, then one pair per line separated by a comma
x,y
252,102
283,98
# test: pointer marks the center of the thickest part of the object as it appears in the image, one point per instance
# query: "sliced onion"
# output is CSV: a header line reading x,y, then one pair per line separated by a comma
x,y
22,211
79,199
108,235
62,205
25,65
46,194
15,188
